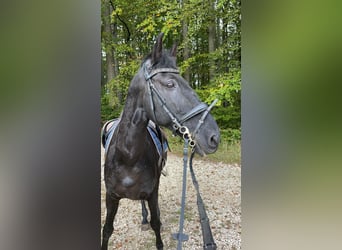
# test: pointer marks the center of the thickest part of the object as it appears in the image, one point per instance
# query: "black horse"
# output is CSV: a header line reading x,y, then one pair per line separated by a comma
x,y
132,162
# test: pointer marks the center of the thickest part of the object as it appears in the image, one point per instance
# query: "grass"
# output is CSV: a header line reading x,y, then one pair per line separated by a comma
x,y
228,152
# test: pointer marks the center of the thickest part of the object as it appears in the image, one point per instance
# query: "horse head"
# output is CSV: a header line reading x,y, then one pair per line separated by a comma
x,y
169,100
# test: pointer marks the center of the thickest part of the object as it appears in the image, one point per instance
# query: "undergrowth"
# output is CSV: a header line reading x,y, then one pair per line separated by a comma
x,y
229,151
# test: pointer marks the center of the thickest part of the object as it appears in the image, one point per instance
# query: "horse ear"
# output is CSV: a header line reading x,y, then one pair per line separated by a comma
x,y
173,50
157,49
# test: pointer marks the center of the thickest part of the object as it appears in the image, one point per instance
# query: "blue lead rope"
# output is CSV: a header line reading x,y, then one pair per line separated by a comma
x,y
180,236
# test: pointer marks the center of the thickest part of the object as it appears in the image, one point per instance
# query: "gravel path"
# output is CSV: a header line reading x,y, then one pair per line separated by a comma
x,y
220,187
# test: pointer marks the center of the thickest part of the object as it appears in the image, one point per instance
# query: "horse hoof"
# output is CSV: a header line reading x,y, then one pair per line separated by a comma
x,y
145,227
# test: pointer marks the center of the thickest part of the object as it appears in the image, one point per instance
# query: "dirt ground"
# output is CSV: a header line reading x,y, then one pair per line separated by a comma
x,y
220,187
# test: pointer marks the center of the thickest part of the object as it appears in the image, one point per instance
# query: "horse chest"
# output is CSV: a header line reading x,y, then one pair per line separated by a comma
x,y
128,182
132,183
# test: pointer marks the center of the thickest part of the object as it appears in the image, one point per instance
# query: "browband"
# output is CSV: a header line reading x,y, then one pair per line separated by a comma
x,y
160,70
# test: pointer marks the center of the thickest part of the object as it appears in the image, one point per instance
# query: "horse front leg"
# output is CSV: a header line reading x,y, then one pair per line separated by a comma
x,y
155,218
144,212
112,205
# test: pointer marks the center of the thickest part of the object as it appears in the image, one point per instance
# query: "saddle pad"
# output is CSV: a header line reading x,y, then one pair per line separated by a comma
x,y
108,135
156,140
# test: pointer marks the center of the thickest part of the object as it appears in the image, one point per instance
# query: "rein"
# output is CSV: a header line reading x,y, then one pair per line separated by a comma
x,y
208,241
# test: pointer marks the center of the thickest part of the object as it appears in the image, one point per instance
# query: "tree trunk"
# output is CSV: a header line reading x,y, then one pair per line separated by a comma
x,y
108,35
211,38
186,51
115,59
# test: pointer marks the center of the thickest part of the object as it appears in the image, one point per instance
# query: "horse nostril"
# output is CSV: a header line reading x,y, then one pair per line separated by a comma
x,y
214,140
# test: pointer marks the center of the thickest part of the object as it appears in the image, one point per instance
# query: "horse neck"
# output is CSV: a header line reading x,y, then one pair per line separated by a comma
x,y
132,127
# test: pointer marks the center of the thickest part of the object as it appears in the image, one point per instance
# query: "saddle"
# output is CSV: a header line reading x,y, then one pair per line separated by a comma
x,y
157,135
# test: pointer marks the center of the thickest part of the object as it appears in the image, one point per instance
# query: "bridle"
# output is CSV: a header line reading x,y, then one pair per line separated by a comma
x,y
177,123
177,126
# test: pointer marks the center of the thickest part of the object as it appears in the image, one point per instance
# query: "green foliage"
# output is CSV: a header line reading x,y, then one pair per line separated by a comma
x,y
115,91
107,112
163,17
229,150
227,89
230,135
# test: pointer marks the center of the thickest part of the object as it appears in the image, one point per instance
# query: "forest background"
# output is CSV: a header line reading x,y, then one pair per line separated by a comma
x,y
208,34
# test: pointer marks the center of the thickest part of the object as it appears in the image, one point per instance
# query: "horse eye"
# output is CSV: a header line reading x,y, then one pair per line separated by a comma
x,y
170,84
